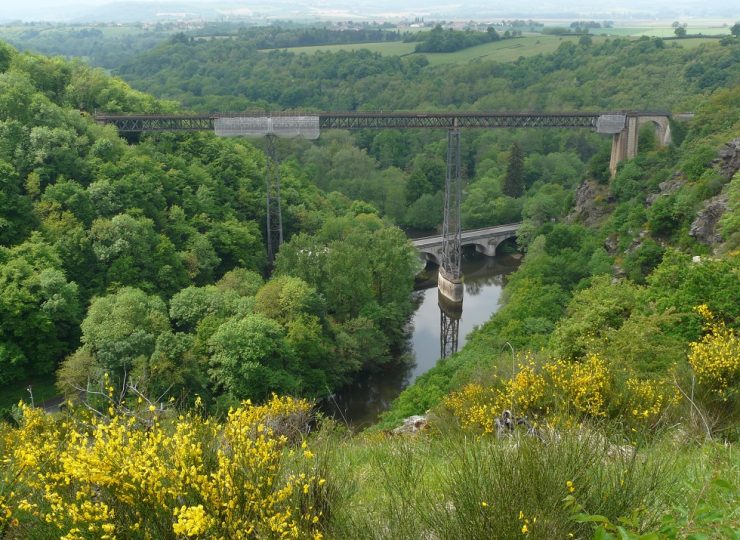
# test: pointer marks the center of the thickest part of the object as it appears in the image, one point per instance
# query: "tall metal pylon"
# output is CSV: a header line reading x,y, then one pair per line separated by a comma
x,y
272,189
451,228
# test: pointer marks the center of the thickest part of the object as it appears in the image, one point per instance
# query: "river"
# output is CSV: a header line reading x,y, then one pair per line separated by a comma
x,y
360,403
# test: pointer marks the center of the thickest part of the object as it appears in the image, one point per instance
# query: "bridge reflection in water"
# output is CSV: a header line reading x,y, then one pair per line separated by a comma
x,y
449,325
373,392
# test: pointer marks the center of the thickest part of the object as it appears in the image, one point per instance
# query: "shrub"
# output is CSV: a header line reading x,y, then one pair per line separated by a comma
x,y
715,358
87,476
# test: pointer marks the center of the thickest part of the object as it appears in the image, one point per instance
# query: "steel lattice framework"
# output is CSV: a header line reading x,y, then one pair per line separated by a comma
x,y
274,228
362,120
451,228
449,326
449,333
400,120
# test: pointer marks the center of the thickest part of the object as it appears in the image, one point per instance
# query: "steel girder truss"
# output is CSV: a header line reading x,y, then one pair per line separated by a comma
x,y
359,120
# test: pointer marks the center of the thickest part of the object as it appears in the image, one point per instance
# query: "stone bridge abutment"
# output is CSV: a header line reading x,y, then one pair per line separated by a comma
x,y
625,140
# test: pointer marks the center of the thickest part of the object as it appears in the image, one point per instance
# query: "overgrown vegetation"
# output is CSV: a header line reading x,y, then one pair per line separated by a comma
x,y
144,261
136,271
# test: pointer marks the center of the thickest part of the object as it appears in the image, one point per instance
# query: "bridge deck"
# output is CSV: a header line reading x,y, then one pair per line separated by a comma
x,y
466,236
362,120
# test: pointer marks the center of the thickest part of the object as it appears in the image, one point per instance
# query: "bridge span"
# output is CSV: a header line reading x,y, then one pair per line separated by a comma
x,y
485,240
622,126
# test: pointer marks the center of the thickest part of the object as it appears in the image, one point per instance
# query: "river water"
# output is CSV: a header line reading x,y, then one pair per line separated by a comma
x,y
360,403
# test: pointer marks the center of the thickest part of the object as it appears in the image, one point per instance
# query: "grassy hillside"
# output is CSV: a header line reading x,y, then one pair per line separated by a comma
x,y
498,51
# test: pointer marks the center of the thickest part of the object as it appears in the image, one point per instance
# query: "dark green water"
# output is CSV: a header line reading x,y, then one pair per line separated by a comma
x,y
360,403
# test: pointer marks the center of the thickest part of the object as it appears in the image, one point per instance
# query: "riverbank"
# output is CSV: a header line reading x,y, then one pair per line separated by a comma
x,y
360,403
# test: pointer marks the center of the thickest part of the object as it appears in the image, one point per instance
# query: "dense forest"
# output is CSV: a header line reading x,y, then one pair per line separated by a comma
x,y
103,46
401,173
135,270
165,239
109,46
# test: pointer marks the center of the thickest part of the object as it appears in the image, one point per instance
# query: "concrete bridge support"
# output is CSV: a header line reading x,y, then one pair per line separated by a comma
x,y
624,143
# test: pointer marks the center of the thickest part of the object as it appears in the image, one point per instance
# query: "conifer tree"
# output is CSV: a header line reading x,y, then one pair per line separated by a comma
x,y
514,180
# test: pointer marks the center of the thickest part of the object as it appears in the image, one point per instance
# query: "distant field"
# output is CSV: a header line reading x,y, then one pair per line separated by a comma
x,y
506,50
386,48
661,31
107,31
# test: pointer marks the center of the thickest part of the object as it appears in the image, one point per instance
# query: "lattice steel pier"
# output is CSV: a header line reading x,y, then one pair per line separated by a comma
x,y
274,228
449,325
450,273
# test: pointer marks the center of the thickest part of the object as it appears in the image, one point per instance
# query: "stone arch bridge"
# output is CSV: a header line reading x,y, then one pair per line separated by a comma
x,y
486,240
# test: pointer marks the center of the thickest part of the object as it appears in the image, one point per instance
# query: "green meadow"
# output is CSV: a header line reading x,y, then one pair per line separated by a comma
x,y
507,50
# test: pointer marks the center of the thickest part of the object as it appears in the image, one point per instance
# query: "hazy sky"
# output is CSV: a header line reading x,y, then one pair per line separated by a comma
x,y
71,10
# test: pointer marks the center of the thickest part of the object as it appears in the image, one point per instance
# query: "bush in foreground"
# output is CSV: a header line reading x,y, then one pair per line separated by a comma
x,y
89,475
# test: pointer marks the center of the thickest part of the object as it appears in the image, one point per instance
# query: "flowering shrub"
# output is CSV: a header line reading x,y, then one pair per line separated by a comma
x,y
647,400
478,407
100,477
584,385
474,406
715,358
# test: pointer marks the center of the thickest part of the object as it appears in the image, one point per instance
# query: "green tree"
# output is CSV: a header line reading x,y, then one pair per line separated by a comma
x,y
513,184
192,304
39,310
133,253
238,244
591,313
121,330
426,212
390,148
15,209
679,284
250,358
427,177
285,298
6,55
549,202
680,32
242,281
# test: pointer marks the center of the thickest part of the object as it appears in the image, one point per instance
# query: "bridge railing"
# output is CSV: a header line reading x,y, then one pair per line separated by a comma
x,y
507,227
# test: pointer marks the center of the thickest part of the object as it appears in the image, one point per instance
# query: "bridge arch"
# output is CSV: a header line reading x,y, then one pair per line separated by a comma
x,y
662,127
490,246
485,241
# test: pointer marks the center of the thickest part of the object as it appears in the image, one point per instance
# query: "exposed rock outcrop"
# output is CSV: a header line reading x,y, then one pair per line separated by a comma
x,y
727,161
704,227
412,424
590,204
611,244
668,187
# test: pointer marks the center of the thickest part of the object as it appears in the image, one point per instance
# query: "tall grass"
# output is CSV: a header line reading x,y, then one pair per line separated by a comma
x,y
453,486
